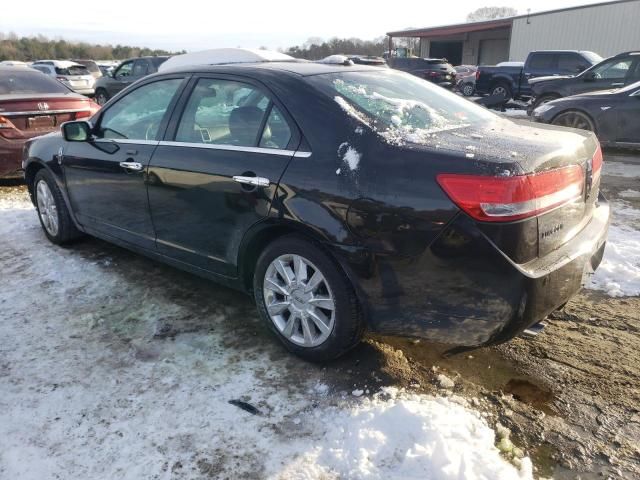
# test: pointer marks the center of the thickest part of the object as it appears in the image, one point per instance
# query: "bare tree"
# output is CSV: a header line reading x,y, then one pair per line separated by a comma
x,y
491,13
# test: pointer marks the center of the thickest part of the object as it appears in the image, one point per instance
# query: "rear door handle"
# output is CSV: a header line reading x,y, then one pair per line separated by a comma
x,y
133,166
255,181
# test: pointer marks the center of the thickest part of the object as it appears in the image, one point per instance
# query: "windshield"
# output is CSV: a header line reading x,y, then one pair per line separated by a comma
x,y
25,81
592,57
399,105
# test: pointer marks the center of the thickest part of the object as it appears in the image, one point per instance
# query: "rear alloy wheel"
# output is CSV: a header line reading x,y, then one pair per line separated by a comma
x,y
574,119
501,90
468,89
306,300
52,210
101,96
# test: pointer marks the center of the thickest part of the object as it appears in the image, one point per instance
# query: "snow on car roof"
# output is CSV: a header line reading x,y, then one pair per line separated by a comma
x,y
59,63
224,56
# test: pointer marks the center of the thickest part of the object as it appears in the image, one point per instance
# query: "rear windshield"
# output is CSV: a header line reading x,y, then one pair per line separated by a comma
x,y
74,70
26,82
399,105
157,61
90,64
435,61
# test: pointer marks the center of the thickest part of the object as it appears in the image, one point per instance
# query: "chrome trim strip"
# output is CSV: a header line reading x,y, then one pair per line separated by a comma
x,y
234,148
125,140
43,112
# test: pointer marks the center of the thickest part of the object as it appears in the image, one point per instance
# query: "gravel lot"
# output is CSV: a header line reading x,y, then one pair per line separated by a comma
x,y
114,366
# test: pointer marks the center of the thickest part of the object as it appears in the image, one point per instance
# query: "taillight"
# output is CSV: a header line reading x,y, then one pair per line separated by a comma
x,y
83,114
8,129
477,74
504,199
596,165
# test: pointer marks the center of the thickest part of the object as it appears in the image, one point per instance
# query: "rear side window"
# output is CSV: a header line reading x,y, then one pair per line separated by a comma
x,y
276,133
571,63
137,116
542,61
26,81
139,68
226,112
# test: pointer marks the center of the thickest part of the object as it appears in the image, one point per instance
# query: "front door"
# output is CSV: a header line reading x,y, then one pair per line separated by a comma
x,y
615,73
629,118
216,175
105,176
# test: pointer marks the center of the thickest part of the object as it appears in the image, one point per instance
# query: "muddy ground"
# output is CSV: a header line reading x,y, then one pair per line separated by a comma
x,y
571,395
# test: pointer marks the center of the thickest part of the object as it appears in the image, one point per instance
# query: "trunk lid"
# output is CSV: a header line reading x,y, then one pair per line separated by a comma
x,y
506,148
40,113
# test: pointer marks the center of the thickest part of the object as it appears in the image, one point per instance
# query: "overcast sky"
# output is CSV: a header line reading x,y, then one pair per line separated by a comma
x,y
198,24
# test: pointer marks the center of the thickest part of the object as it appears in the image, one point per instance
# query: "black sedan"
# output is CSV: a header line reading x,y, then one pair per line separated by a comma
x,y
614,115
344,198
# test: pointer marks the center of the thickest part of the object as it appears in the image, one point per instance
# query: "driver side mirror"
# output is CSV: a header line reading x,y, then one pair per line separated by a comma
x,y
590,77
79,131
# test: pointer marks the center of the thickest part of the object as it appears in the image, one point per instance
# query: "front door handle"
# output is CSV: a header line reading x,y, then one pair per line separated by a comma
x,y
255,181
133,166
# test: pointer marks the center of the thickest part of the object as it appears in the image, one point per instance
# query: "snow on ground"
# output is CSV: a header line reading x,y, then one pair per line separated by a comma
x,y
514,112
112,366
619,169
619,272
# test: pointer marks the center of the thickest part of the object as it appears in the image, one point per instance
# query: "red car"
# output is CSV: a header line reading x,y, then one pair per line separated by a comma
x,y
33,104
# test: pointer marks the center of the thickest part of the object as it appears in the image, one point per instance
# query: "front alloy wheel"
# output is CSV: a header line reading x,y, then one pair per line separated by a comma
x,y
299,300
574,120
47,208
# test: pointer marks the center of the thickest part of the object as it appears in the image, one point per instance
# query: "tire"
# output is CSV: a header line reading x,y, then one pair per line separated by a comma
x,y
286,307
52,210
501,90
544,99
468,89
101,96
574,119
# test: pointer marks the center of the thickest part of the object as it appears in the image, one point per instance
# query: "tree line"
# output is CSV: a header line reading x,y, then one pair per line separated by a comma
x,y
317,49
40,47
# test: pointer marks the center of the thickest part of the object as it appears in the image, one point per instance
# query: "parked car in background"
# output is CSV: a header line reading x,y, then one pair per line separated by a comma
x,y
13,63
124,75
615,72
75,76
91,66
436,70
33,104
614,115
343,197
513,81
466,79
368,60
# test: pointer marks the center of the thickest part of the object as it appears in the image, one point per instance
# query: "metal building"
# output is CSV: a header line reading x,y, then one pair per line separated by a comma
x,y
606,28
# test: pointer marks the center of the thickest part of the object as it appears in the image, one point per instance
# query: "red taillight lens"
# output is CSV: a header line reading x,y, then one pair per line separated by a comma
x,y
504,199
596,165
8,129
83,114
477,74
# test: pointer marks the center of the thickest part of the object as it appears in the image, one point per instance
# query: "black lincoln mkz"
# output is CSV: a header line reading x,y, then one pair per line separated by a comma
x,y
345,198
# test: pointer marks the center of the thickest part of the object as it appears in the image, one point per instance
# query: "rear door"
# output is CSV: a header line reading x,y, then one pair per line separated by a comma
x,y
614,73
217,171
106,176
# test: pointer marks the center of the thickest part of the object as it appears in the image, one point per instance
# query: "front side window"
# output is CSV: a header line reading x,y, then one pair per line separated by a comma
x,y
571,63
223,112
614,70
124,70
137,116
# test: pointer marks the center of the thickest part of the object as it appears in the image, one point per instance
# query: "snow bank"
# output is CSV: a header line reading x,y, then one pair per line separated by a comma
x,y
116,367
395,435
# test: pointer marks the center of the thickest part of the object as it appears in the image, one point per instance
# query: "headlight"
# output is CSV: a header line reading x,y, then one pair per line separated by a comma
x,y
542,108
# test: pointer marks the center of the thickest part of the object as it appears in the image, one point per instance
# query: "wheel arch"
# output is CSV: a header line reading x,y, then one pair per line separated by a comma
x,y
266,232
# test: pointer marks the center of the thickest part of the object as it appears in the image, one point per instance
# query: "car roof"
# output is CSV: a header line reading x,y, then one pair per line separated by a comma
x,y
59,63
301,68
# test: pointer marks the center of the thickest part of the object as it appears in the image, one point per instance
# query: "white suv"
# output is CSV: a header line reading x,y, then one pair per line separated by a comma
x,y
75,76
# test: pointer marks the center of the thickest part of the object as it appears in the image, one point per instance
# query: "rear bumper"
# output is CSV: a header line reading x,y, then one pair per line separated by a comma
x,y
463,291
11,157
